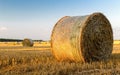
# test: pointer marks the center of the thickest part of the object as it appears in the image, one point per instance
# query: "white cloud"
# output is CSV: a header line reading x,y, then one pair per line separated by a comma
x,y
3,28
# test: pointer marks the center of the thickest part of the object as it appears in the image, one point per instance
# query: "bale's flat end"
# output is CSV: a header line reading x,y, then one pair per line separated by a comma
x,y
97,38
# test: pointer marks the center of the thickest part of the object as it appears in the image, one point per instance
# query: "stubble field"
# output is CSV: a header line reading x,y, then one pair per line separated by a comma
x,y
38,60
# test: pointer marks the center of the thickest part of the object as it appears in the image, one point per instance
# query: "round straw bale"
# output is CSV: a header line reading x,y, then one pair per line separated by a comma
x,y
82,38
27,42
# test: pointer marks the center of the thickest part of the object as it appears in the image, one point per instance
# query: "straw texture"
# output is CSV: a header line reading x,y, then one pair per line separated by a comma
x,y
82,38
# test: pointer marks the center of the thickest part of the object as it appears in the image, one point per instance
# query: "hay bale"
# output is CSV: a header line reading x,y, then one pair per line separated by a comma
x,y
27,42
82,38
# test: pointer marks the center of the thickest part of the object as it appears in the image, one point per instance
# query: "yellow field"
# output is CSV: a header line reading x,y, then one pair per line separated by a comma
x,y
117,42
42,46
38,60
18,46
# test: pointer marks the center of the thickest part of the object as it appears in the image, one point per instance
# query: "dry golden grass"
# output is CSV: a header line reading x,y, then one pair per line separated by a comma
x,y
39,61
18,46
117,42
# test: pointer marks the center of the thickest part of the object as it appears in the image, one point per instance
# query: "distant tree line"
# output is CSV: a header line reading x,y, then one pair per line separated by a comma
x,y
15,40
9,40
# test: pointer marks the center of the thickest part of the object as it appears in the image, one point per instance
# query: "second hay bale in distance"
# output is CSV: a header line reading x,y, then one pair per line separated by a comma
x,y
27,42
82,38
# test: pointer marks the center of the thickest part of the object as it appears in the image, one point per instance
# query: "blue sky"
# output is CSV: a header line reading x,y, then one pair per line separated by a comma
x,y
35,18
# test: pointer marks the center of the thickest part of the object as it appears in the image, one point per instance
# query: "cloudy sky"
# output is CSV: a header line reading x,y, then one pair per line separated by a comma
x,y
35,18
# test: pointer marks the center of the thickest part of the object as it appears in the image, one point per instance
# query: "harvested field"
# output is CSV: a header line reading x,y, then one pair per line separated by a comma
x,y
42,62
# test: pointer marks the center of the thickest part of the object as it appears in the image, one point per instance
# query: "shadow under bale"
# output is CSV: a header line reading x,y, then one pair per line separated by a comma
x,y
115,56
